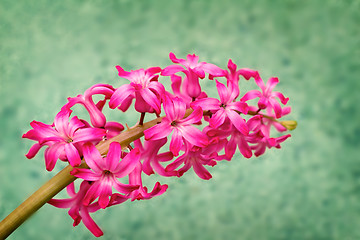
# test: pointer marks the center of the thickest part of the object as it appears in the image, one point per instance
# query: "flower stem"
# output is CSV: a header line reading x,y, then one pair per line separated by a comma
x,y
64,178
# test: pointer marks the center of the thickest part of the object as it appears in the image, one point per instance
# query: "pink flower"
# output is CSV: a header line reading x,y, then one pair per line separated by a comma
x,y
196,158
144,87
180,128
63,141
261,137
96,116
225,108
152,159
142,192
193,70
106,171
267,97
78,211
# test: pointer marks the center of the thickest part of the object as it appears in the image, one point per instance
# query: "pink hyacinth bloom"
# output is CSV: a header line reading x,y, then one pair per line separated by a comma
x,y
267,97
180,128
196,158
261,137
142,192
97,118
223,109
144,87
152,159
193,70
105,172
78,211
64,140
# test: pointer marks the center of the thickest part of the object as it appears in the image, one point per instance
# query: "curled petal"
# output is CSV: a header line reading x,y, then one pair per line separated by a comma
x,y
251,95
90,224
128,163
172,69
120,95
194,136
85,174
52,154
201,171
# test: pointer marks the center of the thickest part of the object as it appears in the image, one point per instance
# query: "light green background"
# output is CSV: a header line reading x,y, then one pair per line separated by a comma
x,y
310,189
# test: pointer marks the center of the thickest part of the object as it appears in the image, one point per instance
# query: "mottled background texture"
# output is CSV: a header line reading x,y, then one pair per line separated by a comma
x,y
310,189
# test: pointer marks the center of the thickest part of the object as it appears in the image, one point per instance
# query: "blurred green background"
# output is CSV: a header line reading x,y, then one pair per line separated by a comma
x,y
310,189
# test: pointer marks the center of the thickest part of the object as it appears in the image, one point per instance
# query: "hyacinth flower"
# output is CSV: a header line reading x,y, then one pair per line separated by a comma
x,y
142,192
151,158
180,128
105,172
223,109
193,69
262,139
111,176
78,211
267,98
64,140
144,87
196,158
97,118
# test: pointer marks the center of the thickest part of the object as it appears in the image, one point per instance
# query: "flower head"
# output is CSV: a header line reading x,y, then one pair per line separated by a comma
x,y
106,172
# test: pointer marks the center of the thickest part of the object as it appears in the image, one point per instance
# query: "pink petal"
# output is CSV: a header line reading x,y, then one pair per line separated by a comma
x,y
230,148
169,108
85,174
206,104
172,69
158,131
52,154
277,108
72,154
113,156
218,118
201,171
157,87
271,83
176,142
239,106
281,97
249,73
213,70
105,193
75,124
61,203
61,120
33,150
125,188
223,92
194,118
93,157
120,95
92,193
128,163
122,73
238,122
194,136
153,70
174,59
251,95
90,224
151,99
89,134
244,148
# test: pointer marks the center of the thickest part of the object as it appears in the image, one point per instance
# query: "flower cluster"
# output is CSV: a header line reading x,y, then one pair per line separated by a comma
x,y
201,131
